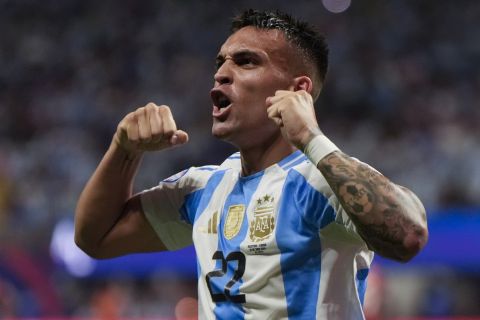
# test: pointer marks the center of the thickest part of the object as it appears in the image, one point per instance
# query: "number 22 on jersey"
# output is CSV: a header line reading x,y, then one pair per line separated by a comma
x,y
232,257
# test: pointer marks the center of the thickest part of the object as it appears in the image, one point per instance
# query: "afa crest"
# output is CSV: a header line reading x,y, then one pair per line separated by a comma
x,y
234,220
263,222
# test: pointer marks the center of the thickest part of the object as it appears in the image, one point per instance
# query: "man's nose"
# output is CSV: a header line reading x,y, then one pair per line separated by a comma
x,y
223,74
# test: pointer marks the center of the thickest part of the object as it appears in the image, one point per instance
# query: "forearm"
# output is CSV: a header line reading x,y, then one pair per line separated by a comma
x,y
389,218
102,201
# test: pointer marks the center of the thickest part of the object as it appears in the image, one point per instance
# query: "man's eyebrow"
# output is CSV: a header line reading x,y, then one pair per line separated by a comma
x,y
239,54
256,56
246,53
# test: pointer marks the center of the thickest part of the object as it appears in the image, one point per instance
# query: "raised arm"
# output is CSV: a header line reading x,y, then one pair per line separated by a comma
x,y
390,218
109,220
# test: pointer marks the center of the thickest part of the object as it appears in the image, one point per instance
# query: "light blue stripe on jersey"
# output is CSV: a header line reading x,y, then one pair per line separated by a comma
x,y
327,216
196,202
208,168
361,280
287,160
241,194
191,201
297,235
294,163
292,160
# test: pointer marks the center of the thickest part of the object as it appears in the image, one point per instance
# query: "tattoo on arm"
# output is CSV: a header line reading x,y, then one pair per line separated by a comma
x,y
383,212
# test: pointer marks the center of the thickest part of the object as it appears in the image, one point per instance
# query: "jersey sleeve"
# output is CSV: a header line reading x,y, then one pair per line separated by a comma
x,y
324,208
163,206
342,219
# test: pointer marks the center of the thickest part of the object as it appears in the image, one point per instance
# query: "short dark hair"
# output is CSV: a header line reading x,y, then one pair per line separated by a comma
x,y
311,44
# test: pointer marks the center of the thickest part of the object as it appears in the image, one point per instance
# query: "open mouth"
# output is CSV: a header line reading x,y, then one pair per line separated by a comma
x,y
220,100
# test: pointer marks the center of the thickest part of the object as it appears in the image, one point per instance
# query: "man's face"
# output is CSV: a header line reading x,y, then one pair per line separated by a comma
x,y
252,64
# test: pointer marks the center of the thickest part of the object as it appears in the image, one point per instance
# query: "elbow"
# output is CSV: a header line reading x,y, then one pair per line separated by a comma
x,y
82,237
95,250
412,244
92,250
415,242
85,238
404,249
84,246
416,236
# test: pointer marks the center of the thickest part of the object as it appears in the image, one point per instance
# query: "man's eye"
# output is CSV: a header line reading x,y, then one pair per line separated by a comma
x,y
244,61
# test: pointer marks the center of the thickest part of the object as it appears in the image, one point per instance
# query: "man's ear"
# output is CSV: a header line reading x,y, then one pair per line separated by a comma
x,y
303,83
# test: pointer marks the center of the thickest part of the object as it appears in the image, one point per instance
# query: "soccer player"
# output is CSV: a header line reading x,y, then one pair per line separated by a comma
x,y
284,228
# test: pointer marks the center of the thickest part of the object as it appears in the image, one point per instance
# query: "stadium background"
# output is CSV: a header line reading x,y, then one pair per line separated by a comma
x,y
402,94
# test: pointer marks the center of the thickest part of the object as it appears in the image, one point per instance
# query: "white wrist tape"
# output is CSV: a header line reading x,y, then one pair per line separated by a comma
x,y
318,148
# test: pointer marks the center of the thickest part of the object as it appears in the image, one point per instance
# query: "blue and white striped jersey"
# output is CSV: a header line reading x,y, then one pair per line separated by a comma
x,y
273,245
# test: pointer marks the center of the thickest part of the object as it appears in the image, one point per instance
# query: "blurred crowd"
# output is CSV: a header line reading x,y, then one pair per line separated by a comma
x,y
402,94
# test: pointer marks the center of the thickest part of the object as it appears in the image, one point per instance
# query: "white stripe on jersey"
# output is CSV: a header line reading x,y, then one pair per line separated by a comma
x,y
264,286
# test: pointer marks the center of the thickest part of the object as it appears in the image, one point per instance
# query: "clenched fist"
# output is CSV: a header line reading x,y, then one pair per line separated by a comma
x,y
294,113
150,128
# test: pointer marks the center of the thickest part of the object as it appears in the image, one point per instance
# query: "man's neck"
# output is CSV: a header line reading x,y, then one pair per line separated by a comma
x,y
260,157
